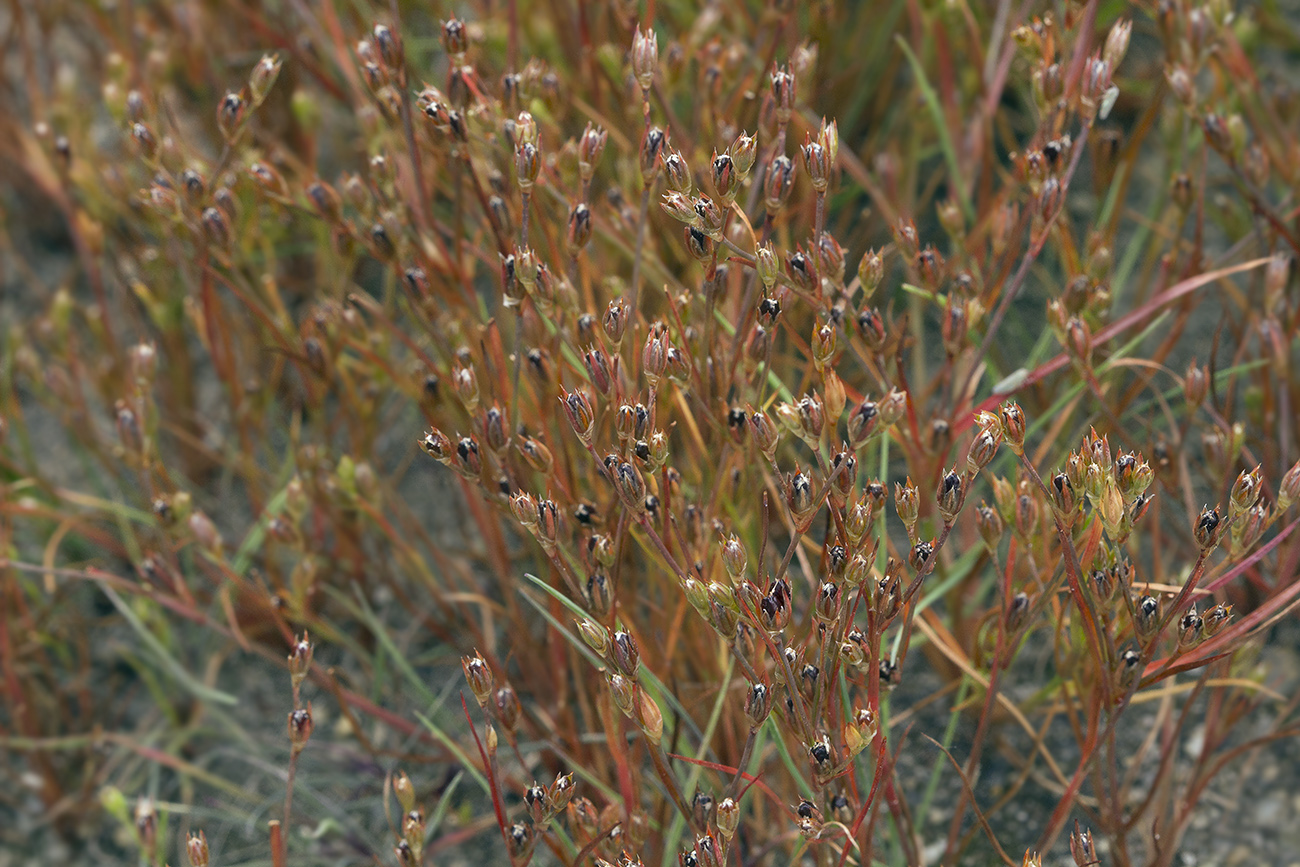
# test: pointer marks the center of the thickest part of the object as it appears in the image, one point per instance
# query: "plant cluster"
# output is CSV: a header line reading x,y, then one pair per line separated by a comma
x,y
696,375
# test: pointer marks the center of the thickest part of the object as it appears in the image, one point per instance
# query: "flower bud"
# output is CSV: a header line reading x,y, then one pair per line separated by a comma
x,y
196,847
506,708
1288,490
590,147
907,502
645,57
1245,492
766,434
648,716
1195,385
733,558
765,263
527,165
1248,530
990,525
300,656
744,150
892,407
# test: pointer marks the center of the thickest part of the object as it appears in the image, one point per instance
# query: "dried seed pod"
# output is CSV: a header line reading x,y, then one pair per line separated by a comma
x,y
479,677
1208,529
1146,616
778,183
950,495
990,525
300,728
1190,629
1082,849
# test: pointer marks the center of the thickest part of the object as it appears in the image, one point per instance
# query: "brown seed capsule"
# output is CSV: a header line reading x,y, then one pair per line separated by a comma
x,y
506,708
652,144
1216,618
778,183
698,244
1082,849
590,147
872,327
230,114
907,502
578,409
479,677
1146,616
300,728
783,85
1190,629
816,162
950,495
725,176
919,556
1208,528
990,525
1013,426
300,657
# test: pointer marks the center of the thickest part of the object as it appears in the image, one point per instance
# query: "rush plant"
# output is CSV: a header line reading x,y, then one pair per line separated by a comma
x,y
787,414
